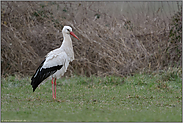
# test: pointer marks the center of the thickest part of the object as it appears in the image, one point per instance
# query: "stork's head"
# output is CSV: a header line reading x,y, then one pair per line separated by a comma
x,y
68,30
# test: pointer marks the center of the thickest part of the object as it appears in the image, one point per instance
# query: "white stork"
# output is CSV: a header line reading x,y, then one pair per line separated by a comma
x,y
56,62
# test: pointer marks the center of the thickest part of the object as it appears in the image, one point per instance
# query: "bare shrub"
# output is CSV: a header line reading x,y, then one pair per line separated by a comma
x,y
111,42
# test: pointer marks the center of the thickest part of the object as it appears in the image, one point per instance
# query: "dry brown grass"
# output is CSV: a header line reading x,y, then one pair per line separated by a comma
x,y
110,42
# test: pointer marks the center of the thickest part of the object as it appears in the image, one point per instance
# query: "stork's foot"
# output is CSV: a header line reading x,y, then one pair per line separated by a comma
x,y
60,101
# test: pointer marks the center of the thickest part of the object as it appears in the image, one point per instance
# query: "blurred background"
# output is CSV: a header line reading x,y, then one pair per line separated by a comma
x,y
116,38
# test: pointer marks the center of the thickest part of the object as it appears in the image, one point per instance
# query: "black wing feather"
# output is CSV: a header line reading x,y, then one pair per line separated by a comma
x,y
42,74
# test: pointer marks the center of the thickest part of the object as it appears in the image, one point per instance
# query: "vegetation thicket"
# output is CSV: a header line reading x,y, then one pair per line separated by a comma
x,y
112,41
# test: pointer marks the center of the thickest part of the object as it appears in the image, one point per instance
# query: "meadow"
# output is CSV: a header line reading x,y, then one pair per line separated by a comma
x,y
142,97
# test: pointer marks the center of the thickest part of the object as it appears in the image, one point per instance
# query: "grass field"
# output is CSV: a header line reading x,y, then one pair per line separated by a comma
x,y
142,97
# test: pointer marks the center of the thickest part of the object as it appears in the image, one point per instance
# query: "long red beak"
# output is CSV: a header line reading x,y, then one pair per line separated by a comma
x,y
74,35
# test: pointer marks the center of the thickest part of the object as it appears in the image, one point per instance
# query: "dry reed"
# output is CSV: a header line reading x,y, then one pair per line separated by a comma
x,y
111,42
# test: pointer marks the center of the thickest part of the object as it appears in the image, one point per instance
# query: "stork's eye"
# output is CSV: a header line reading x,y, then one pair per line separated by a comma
x,y
68,30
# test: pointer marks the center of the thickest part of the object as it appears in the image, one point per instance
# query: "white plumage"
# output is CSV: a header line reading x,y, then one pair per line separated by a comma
x,y
56,62
57,59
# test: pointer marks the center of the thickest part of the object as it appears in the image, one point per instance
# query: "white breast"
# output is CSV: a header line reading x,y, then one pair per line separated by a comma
x,y
57,57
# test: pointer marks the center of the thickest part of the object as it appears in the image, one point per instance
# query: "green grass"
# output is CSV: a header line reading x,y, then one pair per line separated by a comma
x,y
142,97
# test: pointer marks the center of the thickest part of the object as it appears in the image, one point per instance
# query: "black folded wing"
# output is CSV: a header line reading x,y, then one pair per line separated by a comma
x,y
43,73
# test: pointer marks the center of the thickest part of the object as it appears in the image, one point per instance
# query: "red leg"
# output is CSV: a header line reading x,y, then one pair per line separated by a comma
x,y
55,87
52,88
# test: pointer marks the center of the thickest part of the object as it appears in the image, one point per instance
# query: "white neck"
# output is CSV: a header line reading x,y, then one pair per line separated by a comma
x,y
67,46
67,42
